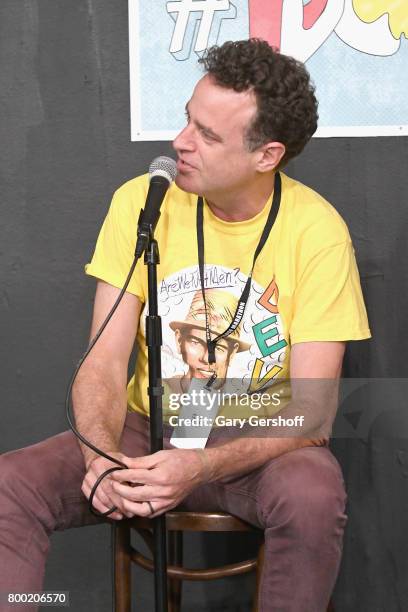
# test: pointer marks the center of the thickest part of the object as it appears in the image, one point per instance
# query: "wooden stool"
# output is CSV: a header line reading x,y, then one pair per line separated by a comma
x,y
176,523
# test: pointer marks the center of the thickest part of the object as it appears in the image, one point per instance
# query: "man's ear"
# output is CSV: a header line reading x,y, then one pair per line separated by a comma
x,y
271,154
234,351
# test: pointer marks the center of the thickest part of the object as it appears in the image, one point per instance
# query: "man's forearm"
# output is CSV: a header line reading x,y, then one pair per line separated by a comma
x,y
242,455
99,404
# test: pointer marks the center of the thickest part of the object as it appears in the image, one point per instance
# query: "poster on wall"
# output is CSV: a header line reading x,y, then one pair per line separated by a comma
x,y
355,50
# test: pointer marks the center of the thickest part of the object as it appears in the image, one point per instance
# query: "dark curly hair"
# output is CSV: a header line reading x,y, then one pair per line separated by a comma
x,y
287,106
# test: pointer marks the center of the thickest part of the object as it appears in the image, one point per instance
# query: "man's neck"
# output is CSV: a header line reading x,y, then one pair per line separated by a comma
x,y
243,205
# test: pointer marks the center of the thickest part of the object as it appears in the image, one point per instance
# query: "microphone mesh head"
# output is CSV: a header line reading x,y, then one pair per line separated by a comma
x,y
163,166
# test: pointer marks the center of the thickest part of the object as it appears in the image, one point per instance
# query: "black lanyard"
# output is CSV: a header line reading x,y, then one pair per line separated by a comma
x,y
239,313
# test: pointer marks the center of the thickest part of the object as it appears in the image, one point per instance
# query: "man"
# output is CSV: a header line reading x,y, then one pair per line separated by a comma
x,y
252,111
191,339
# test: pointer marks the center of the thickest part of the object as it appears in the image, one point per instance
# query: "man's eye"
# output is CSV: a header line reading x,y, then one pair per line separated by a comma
x,y
207,135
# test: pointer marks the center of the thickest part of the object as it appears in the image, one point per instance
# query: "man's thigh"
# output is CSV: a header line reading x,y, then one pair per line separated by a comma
x,y
307,480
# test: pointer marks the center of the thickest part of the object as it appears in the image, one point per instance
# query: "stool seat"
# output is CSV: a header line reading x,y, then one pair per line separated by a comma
x,y
196,521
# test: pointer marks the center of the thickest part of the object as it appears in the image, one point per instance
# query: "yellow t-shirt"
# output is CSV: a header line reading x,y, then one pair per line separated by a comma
x,y
305,284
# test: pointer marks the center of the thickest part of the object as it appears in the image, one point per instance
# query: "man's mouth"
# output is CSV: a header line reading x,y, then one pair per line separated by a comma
x,y
205,373
183,165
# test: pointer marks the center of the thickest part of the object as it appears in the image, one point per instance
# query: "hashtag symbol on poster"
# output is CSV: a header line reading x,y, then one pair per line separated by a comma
x,y
197,24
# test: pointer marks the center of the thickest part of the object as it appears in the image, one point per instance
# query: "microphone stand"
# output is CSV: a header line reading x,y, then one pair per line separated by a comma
x,y
155,393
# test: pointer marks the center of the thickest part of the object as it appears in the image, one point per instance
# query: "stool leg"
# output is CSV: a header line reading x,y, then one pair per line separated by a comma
x,y
175,553
121,567
259,568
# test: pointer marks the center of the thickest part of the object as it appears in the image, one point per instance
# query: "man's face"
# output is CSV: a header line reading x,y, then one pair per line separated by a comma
x,y
212,155
193,347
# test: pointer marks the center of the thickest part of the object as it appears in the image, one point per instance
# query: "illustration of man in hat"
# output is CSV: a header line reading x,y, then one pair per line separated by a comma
x,y
191,342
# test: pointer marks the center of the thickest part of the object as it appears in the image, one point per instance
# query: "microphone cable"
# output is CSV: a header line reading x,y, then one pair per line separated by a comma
x,y
120,464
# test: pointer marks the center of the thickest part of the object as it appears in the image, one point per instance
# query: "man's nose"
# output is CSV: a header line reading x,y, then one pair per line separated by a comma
x,y
204,356
184,141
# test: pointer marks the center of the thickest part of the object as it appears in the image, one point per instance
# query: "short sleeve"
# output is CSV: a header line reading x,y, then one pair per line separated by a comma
x,y
328,302
114,251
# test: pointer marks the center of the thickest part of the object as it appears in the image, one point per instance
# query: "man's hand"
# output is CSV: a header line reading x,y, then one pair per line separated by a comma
x,y
104,498
164,479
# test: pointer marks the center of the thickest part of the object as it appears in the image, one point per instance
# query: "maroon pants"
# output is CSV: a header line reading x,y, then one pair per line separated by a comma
x,y
298,500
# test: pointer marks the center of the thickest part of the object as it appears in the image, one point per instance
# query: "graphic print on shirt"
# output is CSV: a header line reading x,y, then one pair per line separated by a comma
x,y
252,355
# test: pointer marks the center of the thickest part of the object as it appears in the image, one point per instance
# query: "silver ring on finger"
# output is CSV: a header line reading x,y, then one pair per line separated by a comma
x,y
151,507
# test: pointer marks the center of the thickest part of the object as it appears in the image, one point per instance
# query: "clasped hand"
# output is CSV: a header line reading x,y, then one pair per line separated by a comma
x,y
164,479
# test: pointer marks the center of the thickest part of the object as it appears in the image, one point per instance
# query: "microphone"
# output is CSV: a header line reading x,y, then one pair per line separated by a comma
x,y
162,172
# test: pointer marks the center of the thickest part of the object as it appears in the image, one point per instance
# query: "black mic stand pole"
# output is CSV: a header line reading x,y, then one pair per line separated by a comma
x,y
155,393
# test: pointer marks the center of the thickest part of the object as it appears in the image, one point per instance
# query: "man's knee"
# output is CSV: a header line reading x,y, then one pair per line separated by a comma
x,y
40,467
305,494
19,490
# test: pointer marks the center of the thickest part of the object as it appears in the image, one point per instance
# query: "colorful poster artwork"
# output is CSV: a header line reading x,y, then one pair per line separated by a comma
x,y
355,50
